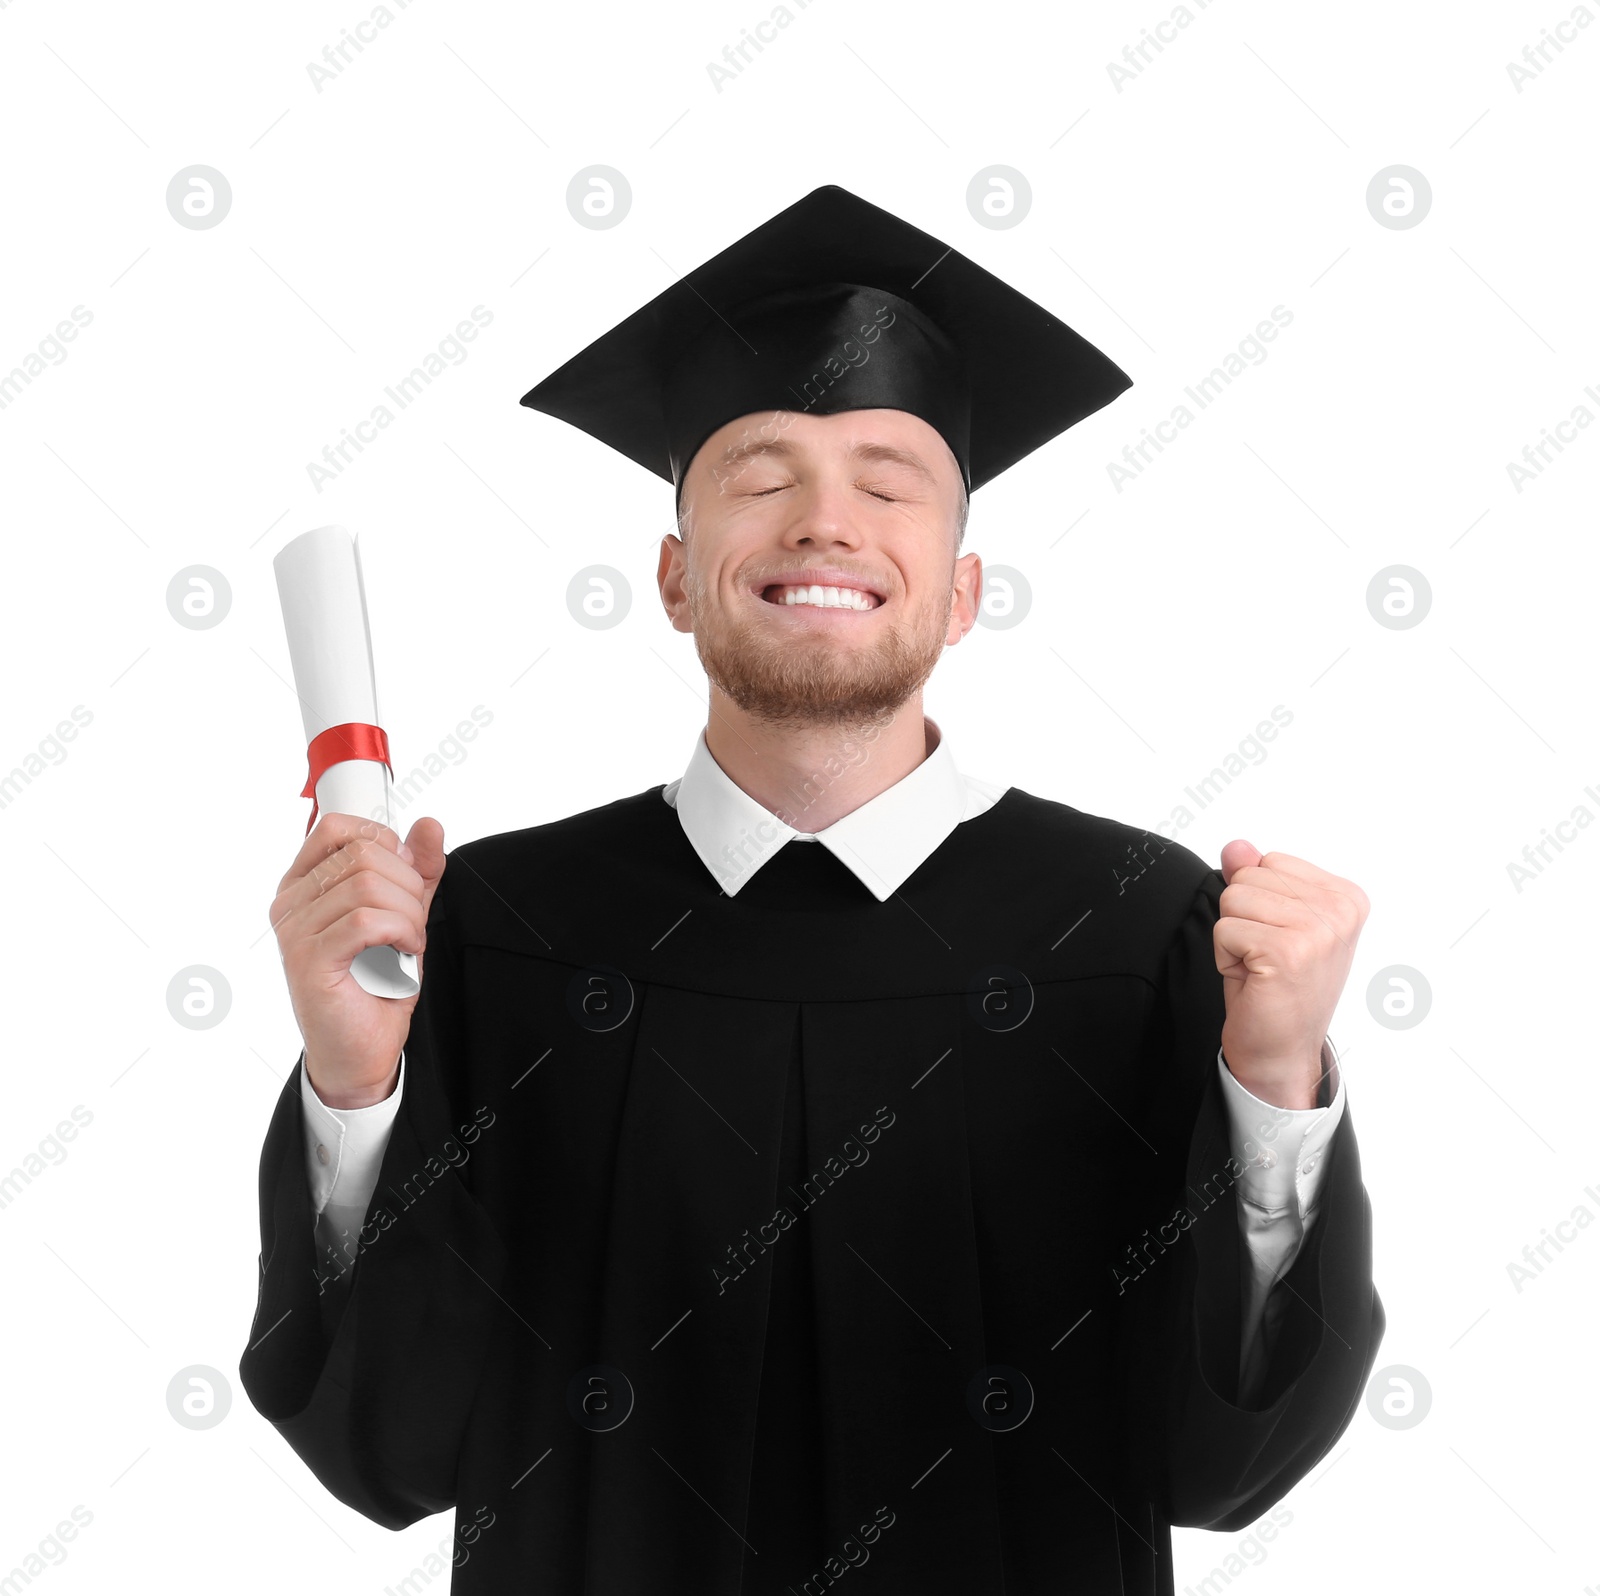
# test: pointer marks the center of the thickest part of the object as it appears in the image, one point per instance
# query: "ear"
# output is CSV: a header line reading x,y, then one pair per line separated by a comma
x,y
669,580
968,584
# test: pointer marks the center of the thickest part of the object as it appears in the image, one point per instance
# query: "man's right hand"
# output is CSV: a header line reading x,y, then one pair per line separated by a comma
x,y
354,885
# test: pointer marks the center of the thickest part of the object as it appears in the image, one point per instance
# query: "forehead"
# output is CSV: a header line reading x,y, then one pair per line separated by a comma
x,y
884,436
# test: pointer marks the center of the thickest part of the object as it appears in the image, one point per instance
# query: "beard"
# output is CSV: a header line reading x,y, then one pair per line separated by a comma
x,y
812,680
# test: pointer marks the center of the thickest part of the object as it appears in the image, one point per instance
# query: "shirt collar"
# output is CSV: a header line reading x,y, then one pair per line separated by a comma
x,y
883,841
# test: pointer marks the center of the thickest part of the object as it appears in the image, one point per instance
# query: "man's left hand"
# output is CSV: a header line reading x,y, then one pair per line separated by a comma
x,y
1284,945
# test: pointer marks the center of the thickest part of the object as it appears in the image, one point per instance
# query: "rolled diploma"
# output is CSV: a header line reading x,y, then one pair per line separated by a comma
x,y
330,649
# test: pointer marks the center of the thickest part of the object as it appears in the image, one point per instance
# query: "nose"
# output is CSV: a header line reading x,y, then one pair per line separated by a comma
x,y
822,519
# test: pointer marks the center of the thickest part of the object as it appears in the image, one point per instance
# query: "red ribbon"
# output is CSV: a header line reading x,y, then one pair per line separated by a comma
x,y
353,740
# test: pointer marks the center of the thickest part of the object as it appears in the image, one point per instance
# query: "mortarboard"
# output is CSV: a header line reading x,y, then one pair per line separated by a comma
x,y
834,304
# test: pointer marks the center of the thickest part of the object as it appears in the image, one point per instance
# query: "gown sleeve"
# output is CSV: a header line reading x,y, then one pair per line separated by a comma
x,y
1202,1453
370,1374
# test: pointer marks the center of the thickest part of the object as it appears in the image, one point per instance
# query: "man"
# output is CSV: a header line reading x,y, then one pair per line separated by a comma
x,y
952,1206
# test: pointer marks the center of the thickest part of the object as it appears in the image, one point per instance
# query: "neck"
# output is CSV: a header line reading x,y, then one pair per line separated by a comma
x,y
811,776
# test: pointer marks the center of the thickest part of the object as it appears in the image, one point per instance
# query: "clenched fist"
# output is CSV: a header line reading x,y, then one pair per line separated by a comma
x,y
1284,945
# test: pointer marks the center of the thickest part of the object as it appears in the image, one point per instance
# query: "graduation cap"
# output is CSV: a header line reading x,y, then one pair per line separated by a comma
x,y
834,304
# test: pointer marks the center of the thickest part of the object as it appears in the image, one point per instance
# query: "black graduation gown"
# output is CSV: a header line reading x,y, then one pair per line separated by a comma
x,y
729,1245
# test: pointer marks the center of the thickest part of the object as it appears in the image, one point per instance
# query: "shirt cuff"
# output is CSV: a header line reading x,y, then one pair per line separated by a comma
x,y
344,1146
1283,1150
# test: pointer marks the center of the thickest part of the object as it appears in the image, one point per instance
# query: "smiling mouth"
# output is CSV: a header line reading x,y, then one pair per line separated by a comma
x,y
801,596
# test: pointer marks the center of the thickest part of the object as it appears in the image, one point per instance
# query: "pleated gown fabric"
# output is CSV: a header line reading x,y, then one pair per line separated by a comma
x,y
736,1245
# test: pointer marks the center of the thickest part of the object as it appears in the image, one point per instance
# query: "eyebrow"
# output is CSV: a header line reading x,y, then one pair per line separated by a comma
x,y
738,453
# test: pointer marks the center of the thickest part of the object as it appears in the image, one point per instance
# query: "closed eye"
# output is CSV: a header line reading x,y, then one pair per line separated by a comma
x,y
888,498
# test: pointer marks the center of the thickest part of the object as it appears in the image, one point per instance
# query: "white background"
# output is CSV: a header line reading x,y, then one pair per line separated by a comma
x,y
1168,217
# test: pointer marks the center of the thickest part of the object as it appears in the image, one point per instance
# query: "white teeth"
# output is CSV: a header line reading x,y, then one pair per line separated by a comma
x,y
846,598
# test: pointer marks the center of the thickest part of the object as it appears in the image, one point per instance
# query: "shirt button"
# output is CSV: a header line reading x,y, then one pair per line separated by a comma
x,y
322,1153
1309,1165
1265,1159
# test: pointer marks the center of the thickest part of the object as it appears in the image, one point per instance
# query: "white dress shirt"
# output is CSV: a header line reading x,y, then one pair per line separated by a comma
x,y
883,842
